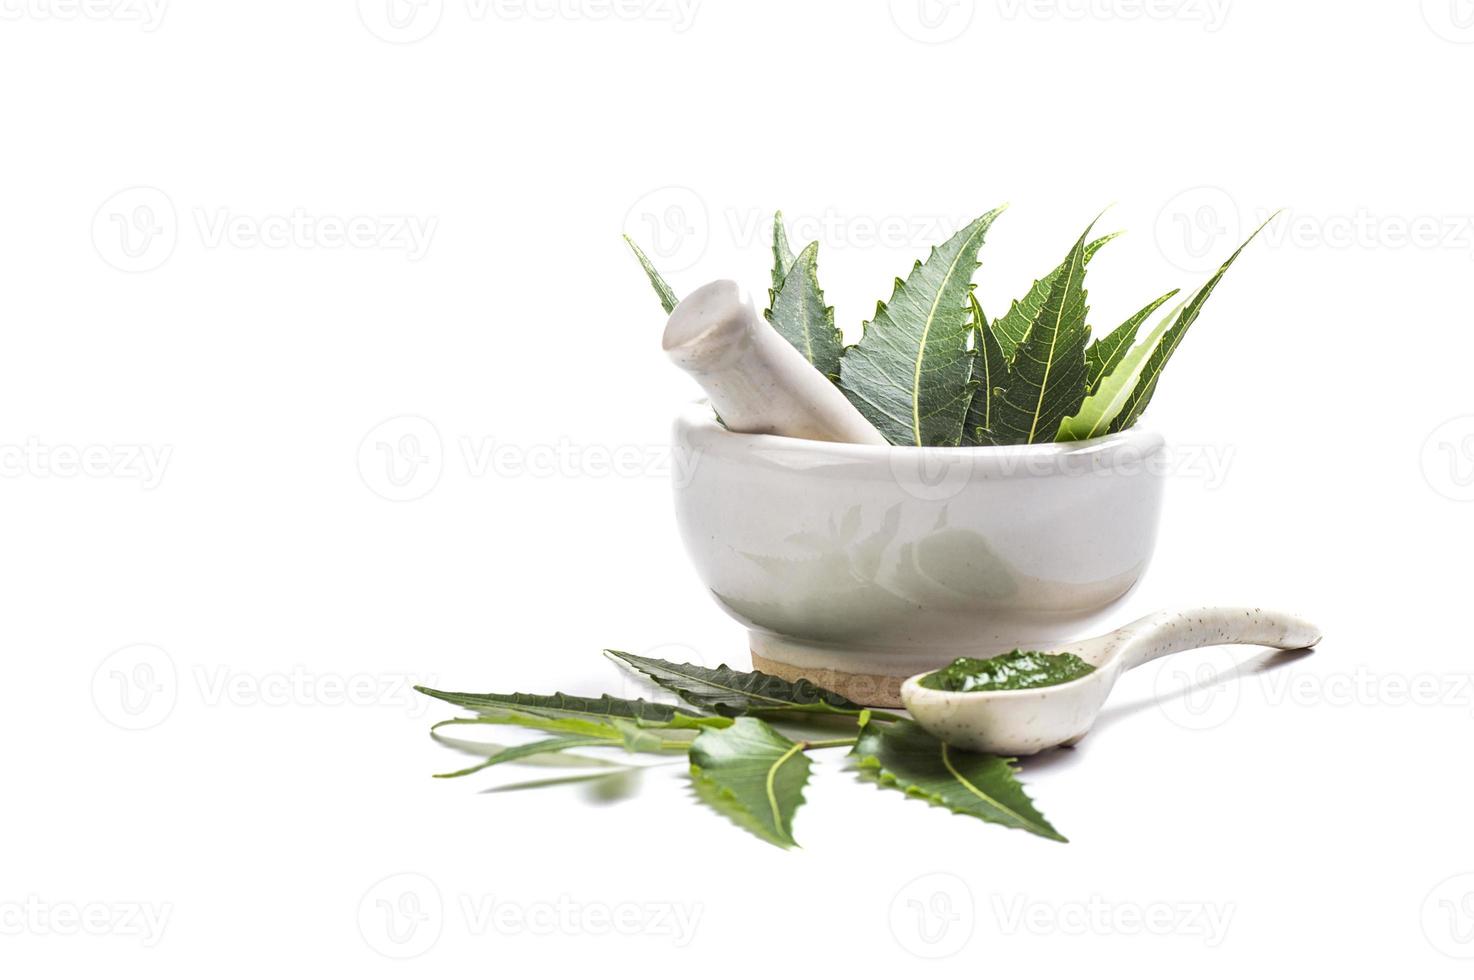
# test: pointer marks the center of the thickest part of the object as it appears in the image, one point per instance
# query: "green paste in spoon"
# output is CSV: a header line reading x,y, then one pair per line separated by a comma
x,y
1014,671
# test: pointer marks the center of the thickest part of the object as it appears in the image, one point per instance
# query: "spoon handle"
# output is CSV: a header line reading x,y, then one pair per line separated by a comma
x,y
1173,631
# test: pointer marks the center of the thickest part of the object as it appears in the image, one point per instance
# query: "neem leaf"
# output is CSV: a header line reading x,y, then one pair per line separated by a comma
x,y
905,756
989,372
752,774
734,692
582,715
1013,326
1146,385
909,373
486,750
1047,377
531,749
1100,409
1102,356
782,254
799,315
668,298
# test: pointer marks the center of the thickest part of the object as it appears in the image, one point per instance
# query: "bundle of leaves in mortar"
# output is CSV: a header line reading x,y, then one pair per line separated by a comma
x,y
931,369
746,737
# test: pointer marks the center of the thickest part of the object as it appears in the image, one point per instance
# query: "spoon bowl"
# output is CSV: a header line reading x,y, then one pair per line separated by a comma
x,y
1030,720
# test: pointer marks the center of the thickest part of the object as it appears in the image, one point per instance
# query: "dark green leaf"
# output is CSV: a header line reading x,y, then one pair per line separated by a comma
x,y
1013,326
990,373
1046,381
1102,356
909,373
1146,385
1094,416
734,692
752,774
799,315
903,755
566,707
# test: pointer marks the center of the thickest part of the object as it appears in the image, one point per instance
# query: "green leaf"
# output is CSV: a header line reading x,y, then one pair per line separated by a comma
x,y
486,750
733,692
799,315
990,372
905,756
638,739
581,715
752,774
1099,409
782,254
531,749
1013,326
1102,356
618,779
1146,385
909,373
1047,377
667,295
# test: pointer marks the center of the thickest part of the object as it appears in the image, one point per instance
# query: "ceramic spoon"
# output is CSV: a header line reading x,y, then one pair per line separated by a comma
x,y
756,380
1022,722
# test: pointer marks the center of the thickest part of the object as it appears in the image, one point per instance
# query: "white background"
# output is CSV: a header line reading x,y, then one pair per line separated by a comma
x,y
180,635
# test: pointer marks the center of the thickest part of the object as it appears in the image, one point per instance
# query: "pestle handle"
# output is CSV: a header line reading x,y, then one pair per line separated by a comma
x,y
757,381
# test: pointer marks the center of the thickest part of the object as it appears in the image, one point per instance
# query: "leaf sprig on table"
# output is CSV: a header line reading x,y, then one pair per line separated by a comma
x,y
747,737
931,369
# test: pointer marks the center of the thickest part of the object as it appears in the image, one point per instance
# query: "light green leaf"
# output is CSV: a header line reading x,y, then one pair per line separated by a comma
x,y
486,750
905,756
782,254
531,749
799,315
638,739
1146,385
1102,356
1047,377
606,785
1012,326
1098,410
668,299
990,375
734,692
588,716
909,373
752,774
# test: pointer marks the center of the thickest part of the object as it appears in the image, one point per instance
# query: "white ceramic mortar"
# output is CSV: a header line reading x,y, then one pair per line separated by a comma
x,y
857,566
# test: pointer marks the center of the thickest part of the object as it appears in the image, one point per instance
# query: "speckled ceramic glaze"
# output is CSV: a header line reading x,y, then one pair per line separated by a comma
x,y
861,565
1024,722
